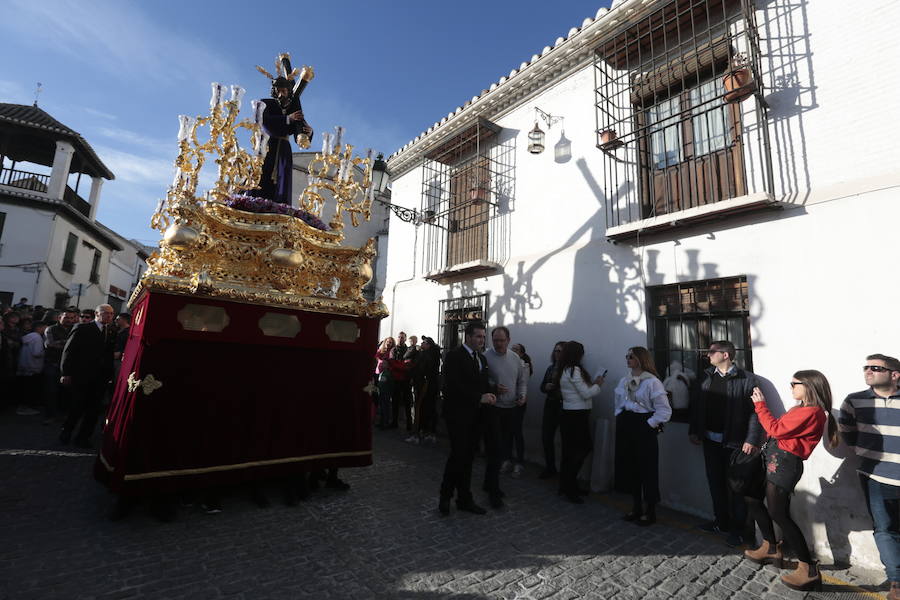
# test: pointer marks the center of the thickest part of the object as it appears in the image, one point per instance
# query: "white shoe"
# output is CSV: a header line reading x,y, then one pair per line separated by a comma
x,y
431,439
518,470
506,467
27,412
412,439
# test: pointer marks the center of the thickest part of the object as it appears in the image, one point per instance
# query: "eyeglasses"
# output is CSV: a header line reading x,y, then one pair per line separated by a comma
x,y
876,368
629,356
88,317
793,383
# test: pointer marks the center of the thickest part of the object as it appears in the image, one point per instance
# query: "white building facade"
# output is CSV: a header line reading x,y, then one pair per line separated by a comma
x,y
52,250
672,208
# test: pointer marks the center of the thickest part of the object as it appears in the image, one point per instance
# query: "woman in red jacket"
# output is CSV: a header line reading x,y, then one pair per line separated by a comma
x,y
792,439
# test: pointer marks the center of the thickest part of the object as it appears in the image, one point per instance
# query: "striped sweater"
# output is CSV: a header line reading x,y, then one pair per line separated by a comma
x,y
870,425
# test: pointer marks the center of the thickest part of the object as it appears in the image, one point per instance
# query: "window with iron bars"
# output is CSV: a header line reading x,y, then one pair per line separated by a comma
x,y
685,318
456,313
465,181
671,116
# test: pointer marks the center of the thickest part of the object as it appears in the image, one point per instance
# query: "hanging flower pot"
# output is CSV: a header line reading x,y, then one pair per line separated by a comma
x,y
609,140
478,193
738,84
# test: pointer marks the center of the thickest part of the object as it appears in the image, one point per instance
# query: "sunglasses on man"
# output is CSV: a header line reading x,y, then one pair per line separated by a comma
x,y
876,368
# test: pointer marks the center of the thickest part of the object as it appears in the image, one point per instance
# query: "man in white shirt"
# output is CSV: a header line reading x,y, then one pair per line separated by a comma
x,y
509,378
30,369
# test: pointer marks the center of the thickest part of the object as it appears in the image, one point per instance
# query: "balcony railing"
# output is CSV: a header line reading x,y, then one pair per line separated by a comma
x,y
34,182
39,182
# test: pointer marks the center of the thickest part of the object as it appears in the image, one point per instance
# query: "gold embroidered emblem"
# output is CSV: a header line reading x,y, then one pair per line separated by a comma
x,y
147,385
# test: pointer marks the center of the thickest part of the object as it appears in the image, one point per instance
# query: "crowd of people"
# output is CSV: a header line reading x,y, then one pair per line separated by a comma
x,y
483,402
61,364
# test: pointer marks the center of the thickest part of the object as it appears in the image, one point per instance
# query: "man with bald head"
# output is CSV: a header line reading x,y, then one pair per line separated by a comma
x,y
87,367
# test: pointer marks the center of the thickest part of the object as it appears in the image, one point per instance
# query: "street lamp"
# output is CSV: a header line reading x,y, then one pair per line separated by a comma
x,y
380,175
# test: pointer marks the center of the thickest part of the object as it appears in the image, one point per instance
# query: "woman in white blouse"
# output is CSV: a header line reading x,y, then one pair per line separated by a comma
x,y
642,406
576,390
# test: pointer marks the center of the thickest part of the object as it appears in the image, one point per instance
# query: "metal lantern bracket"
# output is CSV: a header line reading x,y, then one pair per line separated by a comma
x,y
549,119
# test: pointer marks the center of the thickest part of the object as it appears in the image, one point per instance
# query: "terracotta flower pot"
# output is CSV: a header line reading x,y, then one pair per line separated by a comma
x,y
738,84
609,139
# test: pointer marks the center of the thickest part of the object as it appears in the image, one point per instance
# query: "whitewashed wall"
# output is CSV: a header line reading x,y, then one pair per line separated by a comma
x,y
26,232
820,271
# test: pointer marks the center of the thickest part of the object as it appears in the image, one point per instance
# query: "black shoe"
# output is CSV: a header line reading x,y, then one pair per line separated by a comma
x,y
734,540
498,491
211,505
470,507
259,497
496,501
65,436
337,484
710,527
584,492
574,498
444,506
547,474
646,520
631,516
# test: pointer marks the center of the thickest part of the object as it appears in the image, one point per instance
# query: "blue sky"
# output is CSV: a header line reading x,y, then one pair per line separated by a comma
x,y
119,72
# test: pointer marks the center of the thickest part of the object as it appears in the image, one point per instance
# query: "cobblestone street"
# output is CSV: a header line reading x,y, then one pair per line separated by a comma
x,y
382,539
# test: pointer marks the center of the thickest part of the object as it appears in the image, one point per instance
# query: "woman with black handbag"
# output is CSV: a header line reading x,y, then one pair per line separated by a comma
x,y
793,437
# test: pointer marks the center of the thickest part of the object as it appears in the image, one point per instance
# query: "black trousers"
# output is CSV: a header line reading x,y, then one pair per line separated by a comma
x,y
576,444
637,458
549,425
463,435
87,400
490,429
402,395
729,508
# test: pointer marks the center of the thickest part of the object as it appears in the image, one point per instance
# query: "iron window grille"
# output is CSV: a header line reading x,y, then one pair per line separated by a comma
x,y
456,313
466,191
676,136
95,268
685,318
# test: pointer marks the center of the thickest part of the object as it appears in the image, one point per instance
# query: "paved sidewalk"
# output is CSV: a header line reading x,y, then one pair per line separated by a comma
x,y
382,539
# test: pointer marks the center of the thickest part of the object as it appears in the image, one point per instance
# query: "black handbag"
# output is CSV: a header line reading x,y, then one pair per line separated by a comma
x,y
747,473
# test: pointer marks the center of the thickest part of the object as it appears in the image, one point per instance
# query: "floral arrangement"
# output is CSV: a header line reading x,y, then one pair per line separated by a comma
x,y
261,205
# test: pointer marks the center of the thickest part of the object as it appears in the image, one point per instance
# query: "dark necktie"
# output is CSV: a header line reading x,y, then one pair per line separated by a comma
x,y
477,363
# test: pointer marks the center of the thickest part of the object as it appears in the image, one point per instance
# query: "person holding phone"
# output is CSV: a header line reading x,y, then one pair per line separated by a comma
x,y
577,391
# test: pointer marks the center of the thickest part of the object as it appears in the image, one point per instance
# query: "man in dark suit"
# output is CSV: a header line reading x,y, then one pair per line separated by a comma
x,y
87,366
465,387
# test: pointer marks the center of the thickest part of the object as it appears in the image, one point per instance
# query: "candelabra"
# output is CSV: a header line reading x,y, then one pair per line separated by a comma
x,y
333,170
238,170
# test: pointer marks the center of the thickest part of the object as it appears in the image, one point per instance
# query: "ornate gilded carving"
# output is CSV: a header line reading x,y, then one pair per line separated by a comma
x,y
209,249
147,385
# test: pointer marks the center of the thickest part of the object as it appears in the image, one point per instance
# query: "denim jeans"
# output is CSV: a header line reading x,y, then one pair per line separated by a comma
x,y
884,507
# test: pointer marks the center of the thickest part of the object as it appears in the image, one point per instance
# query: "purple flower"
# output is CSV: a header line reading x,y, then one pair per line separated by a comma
x,y
261,205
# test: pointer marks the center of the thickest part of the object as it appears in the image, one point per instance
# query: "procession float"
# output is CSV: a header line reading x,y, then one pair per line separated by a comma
x,y
250,351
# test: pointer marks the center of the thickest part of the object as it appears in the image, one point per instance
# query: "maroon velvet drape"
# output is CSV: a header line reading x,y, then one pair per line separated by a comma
x,y
235,405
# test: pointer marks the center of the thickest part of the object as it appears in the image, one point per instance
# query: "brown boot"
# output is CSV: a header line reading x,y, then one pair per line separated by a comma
x,y
767,553
894,594
805,577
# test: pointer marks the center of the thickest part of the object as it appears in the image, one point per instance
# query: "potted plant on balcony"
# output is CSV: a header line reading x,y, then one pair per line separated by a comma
x,y
609,139
738,81
479,192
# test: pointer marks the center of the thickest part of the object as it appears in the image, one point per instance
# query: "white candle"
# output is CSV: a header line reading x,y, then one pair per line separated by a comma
x,y
338,136
177,180
259,108
216,98
263,145
237,94
326,143
185,125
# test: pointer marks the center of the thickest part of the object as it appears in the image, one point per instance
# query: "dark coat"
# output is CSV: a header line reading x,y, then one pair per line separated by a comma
x,y
88,356
277,169
463,386
741,423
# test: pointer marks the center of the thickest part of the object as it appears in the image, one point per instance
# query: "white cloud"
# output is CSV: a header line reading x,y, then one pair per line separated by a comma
x,y
135,168
12,92
115,37
132,139
100,113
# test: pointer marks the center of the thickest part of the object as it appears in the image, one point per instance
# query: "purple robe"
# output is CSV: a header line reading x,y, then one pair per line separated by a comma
x,y
277,170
